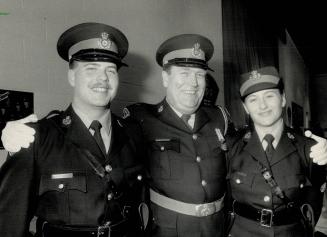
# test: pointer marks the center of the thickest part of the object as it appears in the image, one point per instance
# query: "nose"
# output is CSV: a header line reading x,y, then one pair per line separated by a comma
x,y
193,79
103,75
262,104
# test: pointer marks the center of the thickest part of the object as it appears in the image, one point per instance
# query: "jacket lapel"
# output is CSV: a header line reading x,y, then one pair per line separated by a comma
x,y
201,118
118,138
284,148
255,149
79,134
167,115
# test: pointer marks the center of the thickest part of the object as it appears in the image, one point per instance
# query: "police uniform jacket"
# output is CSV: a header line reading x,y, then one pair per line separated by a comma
x,y
53,180
185,164
292,170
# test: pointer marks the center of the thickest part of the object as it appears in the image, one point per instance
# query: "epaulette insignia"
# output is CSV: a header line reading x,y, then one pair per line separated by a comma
x,y
160,109
67,120
119,123
290,136
247,136
126,113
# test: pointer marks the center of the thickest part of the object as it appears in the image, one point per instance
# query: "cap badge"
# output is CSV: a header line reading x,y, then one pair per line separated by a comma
x,y
255,75
196,51
67,120
105,42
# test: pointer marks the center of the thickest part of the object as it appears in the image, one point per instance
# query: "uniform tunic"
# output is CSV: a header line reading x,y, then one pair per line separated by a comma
x,y
293,171
53,180
185,165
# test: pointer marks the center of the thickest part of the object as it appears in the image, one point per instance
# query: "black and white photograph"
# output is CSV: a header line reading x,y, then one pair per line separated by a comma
x,y
163,118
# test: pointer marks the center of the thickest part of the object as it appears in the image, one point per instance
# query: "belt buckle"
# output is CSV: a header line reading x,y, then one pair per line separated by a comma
x,y
206,209
266,217
103,228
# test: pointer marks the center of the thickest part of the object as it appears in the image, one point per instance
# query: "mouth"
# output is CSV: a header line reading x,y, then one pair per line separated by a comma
x,y
189,92
100,88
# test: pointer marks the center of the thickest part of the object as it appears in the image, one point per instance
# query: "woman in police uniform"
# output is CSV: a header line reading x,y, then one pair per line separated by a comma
x,y
271,175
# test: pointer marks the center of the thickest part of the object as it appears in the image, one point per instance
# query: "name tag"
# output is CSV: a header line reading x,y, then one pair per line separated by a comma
x,y
62,176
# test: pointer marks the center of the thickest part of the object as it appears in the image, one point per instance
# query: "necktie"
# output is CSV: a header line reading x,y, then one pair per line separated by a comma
x,y
96,126
270,148
186,118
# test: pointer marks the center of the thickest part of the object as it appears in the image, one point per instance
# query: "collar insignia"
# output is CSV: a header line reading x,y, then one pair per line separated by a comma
x,y
126,113
255,75
105,42
290,136
160,109
247,136
67,120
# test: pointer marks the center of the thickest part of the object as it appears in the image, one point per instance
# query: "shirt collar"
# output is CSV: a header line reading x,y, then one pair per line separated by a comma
x,y
105,119
276,132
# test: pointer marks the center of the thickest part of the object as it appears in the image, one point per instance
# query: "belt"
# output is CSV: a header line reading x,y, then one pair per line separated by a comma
x,y
108,230
268,217
190,209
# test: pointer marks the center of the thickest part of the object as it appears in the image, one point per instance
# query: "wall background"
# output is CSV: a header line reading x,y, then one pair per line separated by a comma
x,y
29,31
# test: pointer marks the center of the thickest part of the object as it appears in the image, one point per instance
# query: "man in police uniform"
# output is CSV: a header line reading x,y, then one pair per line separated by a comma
x,y
186,158
274,182
82,175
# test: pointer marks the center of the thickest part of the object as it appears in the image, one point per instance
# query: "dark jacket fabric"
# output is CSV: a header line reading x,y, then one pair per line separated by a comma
x,y
185,164
54,181
293,171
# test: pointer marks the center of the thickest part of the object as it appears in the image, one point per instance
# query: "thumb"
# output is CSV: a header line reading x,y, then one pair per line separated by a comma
x,y
309,134
32,118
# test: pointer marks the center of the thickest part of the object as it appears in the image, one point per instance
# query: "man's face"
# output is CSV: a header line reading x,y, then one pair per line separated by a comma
x,y
185,88
265,107
95,83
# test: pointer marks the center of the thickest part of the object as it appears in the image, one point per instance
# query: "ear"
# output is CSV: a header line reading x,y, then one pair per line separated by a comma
x,y
71,77
165,78
283,100
245,108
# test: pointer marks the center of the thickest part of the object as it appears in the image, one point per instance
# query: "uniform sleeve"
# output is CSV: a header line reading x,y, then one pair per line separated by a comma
x,y
17,194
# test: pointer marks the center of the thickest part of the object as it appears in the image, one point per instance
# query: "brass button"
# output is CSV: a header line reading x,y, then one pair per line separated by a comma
x,y
139,177
198,159
108,168
266,198
301,185
162,148
195,136
238,181
61,186
203,183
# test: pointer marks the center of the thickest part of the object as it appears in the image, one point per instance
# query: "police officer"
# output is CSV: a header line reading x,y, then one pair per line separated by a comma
x,y
275,186
186,158
82,175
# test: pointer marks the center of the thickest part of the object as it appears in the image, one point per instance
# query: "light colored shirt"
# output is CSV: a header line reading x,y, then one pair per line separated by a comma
x,y
105,121
276,132
190,122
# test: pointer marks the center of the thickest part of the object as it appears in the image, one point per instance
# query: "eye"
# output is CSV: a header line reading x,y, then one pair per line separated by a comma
x,y
111,71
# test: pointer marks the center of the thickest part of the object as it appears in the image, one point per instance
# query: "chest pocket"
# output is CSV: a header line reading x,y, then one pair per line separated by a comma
x,y
165,163
62,182
165,144
294,181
